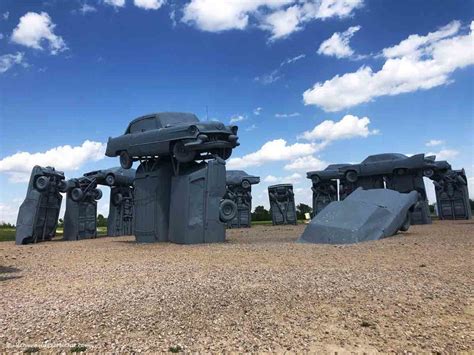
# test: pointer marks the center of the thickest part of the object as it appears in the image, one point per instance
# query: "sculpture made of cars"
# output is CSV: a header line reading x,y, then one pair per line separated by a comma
x,y
452,195
38,214
80,218
239,189
282,204
180,135
364,215
120,181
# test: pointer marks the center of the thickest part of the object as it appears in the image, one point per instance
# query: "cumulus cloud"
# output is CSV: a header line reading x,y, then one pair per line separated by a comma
x,y
417,63
34,29
348,127
294,178
86,8
275,150
306,163
237,118
434,142
115,3
7,61
18,166
279,17
445,154
149,4
338,44
284,115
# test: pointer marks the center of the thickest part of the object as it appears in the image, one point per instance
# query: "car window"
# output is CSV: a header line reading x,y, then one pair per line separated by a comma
x,y
172,119
143,125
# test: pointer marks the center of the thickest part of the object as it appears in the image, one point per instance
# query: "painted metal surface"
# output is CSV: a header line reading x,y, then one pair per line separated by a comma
x,y
282,204
364,215
38,214
452,195
239,189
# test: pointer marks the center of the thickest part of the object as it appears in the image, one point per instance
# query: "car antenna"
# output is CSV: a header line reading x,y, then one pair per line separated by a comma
x,y
207,114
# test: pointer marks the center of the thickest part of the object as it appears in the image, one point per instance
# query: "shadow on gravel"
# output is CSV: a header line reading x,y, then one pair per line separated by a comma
x,y
8,270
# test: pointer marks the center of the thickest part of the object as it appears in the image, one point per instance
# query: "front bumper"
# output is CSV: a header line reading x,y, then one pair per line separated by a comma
x,y
203,142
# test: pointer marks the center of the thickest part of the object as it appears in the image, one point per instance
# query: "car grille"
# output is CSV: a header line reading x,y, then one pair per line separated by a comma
x,y
218,137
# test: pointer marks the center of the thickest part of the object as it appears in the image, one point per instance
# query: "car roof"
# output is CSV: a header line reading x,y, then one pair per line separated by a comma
x,y
167,116
384,157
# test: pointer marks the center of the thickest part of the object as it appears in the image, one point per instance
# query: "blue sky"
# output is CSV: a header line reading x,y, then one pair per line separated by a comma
x,y
358,76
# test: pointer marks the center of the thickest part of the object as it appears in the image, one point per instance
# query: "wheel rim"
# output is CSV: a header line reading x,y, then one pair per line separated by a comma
x,y
110,180
351,176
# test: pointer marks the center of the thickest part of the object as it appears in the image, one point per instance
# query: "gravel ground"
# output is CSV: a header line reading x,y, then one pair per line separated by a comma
x,y
257,292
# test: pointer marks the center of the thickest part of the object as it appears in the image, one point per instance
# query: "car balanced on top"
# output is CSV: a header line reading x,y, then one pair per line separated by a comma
x,y
180,135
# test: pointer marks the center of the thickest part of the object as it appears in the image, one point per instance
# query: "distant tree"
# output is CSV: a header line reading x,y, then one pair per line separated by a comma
x,y
5,225
261,214
101,221
301,209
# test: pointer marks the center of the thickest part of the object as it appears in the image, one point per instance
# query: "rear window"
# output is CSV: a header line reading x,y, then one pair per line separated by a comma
x,y
143,125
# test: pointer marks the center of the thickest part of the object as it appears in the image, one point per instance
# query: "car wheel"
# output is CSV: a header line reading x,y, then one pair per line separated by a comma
x,y
62,186
316,179
126,161
77,194
351,176
428,172
400,172
245,184
406,224
110,179
97,194
182,154
42,183
227,210
117,199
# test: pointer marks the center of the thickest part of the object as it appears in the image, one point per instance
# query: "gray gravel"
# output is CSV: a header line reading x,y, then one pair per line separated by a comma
x,y
260,291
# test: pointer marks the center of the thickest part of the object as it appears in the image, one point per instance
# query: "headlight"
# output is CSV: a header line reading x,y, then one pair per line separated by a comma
x,y
193,130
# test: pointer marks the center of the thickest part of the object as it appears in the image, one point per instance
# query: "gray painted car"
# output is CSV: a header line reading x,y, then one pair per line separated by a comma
x,y
331,172
364,215
113,176
181,135
389,163
240,177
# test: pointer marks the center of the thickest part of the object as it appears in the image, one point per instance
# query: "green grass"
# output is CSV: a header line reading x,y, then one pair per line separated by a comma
x,y
269,223
8,234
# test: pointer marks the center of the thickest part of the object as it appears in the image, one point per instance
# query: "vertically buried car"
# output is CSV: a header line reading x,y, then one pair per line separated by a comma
x,y
389,163
176,134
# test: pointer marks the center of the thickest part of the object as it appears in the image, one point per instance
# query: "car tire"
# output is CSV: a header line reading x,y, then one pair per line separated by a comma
x,y
316,179
62,186
41,183
351,176
97,194
76,194
406,224
126,161
428,173
227,210
110,179
182,154
400,172
246,184
117,199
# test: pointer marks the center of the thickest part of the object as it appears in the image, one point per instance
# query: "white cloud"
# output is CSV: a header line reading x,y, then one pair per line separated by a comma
x,y
34,29
9,211
9,60
417,63
149,4
306,163
338,44
85,8
348,127
1,36
275,150
284,115
251,128
434,142
115,3
279,17
292,60
445,154
5,15
237,118
270,78
18,166
257,111
294,178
